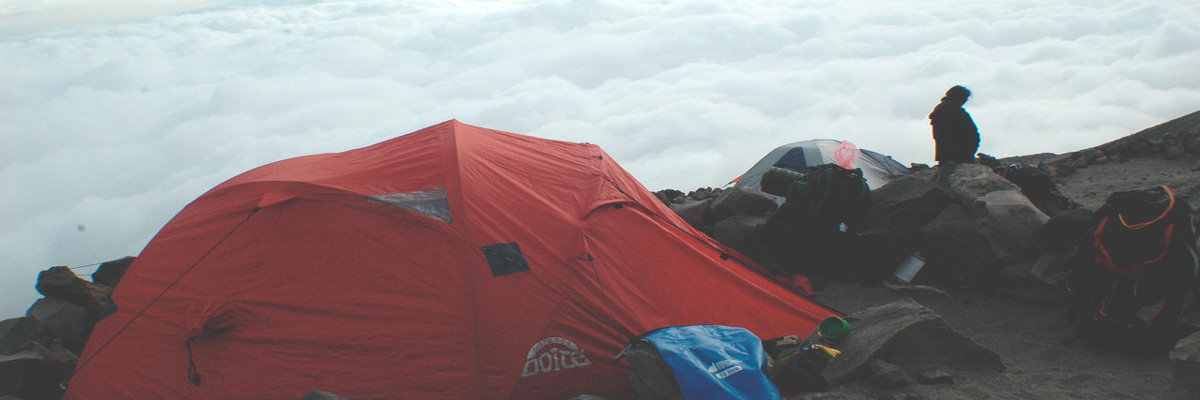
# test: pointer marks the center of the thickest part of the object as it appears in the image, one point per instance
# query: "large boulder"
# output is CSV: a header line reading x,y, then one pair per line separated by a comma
x,y
62,283
695,212
1064,230
1010,222
739,200
29,375
972,181
62,319
733,231
957,253
909,336
111,272
1185,364
17,333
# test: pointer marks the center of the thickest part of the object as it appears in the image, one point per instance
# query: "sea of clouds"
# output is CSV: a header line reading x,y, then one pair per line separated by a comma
x,y
115,114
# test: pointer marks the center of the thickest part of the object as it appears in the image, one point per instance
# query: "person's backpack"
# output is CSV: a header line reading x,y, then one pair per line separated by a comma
x,y
833,194
1136,271
804,235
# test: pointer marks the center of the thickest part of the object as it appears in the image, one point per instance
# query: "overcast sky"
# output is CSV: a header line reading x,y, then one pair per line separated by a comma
x,y
114,114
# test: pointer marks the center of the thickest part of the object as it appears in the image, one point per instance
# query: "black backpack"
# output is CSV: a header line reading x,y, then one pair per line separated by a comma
x,y
1136,271
804,235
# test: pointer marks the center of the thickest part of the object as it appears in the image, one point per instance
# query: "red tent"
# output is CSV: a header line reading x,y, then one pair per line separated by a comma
x,y
453,262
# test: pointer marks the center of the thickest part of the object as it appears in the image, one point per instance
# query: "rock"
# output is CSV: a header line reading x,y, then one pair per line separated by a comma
x,y
935,376
29,375
733,231
972,181
17,333
695,212
62,319
111,272
1185,366
910,336
320,395
1010,222
903,189
1052,267
1175,151
1064,230
703,193
652,377
886,375
61,282
1065,170
957,253
739,200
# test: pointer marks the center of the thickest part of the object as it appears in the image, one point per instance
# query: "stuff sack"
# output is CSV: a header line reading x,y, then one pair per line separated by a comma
x,y
1136,271
699,362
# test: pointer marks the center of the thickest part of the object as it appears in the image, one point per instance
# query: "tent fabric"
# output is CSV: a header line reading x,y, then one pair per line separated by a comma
x,y
452,262
877,168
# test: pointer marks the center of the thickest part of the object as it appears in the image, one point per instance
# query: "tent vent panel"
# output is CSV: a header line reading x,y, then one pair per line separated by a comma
x,y
505,258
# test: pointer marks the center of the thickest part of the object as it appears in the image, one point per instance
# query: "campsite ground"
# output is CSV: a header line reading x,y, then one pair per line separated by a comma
x,y
1027,324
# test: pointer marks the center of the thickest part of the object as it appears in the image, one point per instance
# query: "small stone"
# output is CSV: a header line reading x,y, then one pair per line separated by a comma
x,y
886,375
936,376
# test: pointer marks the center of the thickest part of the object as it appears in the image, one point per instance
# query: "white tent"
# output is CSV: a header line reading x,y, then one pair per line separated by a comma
x,y
877,168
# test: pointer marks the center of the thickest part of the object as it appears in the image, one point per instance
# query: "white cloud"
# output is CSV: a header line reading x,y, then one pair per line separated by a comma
x,y
118,113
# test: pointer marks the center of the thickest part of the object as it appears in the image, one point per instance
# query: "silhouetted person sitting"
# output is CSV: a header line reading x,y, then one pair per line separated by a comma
x,y
954,132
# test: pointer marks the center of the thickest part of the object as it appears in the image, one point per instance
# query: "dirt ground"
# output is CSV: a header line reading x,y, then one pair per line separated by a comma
x,y
1028,324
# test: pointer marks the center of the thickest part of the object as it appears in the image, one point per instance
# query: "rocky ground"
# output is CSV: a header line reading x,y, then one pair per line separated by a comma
x,y
1027,325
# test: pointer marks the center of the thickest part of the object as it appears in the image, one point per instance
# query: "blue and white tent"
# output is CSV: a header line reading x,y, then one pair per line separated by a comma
x,y
877,168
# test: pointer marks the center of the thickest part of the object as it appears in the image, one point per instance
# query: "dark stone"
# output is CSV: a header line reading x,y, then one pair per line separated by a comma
x,y
886,375
1010,222
29,375
1064,230
972,181
111,272
704,193
695,212
62,319
733,231
1185,366
742,201
669,196
652,377
935,376
61,282
17,333
957,254
908,335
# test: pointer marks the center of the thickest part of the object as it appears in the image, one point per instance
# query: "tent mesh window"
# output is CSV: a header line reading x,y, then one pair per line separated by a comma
x,y
431,203
505,258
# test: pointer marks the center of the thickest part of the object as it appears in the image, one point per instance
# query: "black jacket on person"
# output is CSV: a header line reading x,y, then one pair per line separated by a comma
x,y
954,132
